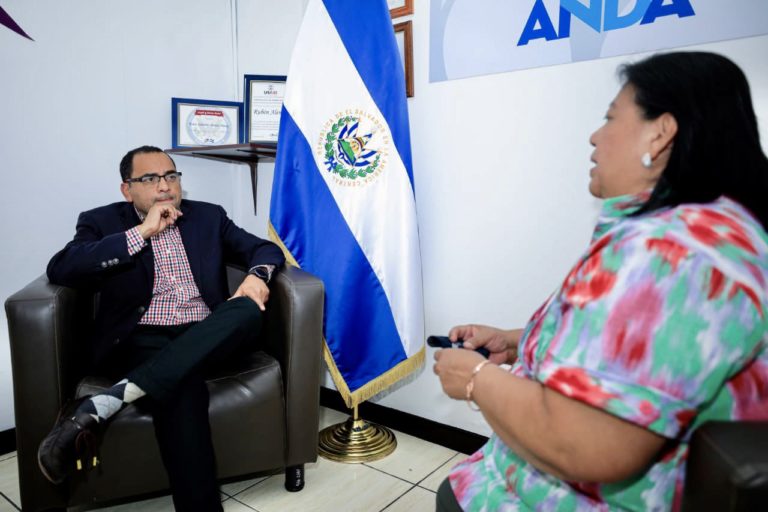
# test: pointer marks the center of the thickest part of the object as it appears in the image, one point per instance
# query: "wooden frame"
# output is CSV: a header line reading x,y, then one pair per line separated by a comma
x,y
404,30
398,8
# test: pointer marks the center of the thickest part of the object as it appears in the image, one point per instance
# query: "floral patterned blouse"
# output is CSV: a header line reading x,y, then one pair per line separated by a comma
x,y
662,322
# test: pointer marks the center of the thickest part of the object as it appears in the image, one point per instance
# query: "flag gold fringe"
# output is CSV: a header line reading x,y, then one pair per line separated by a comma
x,y
373,387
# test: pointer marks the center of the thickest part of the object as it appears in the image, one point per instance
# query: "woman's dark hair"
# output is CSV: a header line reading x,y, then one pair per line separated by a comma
x,y
717,147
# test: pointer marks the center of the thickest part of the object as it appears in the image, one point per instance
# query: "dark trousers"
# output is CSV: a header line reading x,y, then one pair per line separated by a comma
x,y
169,364
445,500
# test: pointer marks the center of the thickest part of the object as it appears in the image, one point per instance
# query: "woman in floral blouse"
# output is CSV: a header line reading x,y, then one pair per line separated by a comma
x,y
659,327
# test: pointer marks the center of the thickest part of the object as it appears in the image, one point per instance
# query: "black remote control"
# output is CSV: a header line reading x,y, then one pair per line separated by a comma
x,y
445,342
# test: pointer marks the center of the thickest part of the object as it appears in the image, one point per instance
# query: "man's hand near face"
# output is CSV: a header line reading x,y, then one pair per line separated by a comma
x,y
159,217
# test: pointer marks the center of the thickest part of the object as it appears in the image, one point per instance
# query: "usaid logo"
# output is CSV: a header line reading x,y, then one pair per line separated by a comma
x,y
600,15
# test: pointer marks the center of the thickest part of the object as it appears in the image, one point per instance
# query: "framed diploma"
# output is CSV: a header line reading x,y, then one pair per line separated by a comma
x,y
263,104
205,122
399,8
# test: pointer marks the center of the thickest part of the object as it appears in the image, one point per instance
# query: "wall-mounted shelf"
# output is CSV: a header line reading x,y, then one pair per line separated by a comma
x,y
250,154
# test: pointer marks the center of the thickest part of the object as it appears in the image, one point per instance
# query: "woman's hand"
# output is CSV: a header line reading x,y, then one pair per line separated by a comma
x,y
454,368
500,343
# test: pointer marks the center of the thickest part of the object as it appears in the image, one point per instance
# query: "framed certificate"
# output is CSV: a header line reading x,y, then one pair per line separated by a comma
x,y
205,122
263,104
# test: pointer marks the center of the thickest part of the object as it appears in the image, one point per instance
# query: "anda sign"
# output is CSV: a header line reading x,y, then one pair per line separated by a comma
x,y
599,15
478,37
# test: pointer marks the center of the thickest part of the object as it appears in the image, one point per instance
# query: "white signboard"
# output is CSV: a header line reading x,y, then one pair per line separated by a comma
x,y
478,37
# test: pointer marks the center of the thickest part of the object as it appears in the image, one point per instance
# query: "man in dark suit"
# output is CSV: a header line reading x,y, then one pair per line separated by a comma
x,y
164,317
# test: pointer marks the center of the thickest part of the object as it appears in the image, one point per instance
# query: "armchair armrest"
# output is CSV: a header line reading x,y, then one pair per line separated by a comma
x,y
727,467
44,324
294,333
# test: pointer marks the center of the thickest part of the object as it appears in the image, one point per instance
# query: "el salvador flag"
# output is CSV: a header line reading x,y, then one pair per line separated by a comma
x,y
342,200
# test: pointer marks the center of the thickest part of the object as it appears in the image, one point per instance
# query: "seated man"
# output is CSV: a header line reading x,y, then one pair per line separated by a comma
x,y
164,317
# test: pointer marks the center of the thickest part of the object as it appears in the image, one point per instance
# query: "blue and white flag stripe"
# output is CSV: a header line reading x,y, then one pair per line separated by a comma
x,y
360,236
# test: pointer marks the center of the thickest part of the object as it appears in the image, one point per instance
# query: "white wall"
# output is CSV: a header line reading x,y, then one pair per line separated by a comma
x,y
499,227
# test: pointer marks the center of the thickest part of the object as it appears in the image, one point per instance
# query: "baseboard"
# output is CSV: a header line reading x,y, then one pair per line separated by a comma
x,y
445,435
7,441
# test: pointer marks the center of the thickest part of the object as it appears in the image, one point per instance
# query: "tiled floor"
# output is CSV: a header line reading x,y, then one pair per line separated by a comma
x,y
405,481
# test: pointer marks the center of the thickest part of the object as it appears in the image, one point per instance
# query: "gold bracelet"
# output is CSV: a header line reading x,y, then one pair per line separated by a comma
x,y
471,383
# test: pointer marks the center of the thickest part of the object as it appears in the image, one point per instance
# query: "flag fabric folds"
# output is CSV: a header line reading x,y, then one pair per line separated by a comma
x,y
343,203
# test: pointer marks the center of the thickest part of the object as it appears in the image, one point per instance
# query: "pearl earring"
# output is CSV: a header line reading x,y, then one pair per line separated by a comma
x,y
646,160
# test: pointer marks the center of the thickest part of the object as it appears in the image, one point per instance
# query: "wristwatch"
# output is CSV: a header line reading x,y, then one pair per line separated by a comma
x,y
263,272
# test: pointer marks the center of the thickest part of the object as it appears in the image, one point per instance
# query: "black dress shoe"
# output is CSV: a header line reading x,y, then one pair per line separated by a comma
x,y
294,478
59,453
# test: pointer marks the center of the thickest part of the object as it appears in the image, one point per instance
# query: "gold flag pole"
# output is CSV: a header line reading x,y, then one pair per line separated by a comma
x,y
356,441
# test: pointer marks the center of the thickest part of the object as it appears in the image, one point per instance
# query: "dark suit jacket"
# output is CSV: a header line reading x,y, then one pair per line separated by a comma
x,y
97,259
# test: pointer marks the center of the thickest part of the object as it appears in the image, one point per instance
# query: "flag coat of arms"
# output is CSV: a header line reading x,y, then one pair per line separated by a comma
x,y
343,203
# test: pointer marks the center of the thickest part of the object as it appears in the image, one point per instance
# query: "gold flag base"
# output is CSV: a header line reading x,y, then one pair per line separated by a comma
x,y
356,441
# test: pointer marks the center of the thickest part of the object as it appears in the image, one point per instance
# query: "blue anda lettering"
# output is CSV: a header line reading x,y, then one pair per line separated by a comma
x,y
589,14
539,17
613,21
657,10
600,15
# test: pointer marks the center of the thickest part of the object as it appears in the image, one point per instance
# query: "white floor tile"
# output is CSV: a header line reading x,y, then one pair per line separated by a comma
x,y
9,480
330,486
162,504
415,500
413,459
330,417
6,507
433,481
232,505
234,488
7,456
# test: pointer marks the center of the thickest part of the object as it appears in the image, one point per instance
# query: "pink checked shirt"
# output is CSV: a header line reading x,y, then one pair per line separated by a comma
x,y
175,297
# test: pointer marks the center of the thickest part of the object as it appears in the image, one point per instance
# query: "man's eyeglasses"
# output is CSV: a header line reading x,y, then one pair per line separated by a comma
x,y
153,179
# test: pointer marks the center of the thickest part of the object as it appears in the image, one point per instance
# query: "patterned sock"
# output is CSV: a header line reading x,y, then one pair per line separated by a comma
x,y
104,405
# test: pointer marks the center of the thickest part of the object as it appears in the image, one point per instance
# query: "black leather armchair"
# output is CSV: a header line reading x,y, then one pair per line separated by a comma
x,y
727,467
264,408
